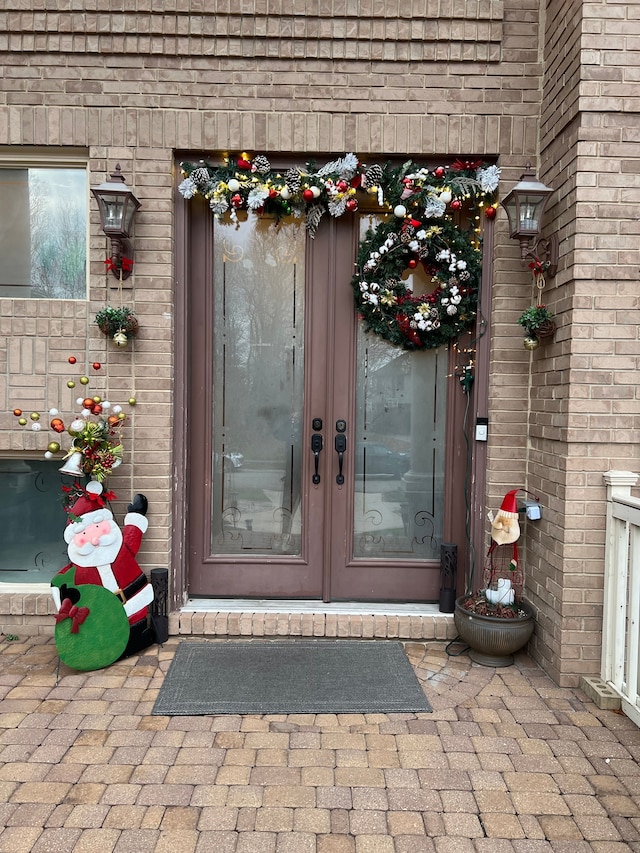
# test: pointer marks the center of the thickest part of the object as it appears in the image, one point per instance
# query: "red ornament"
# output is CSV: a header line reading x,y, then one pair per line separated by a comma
x,y
72,359
57,425
236,200
96,365
112,420
439,172
307,195
490,213
342,186
352,205
87,403
96,409
244,164
456,204
273,193
17,412
412,264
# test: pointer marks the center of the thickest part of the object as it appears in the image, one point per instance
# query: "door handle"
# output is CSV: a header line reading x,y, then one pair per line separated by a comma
x,y
341,446
316,447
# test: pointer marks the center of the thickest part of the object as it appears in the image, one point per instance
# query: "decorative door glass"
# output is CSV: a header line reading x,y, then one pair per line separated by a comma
x,y
399,445
258,380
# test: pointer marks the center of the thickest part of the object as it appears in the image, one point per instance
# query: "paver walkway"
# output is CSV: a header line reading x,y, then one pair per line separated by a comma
x,y
506,762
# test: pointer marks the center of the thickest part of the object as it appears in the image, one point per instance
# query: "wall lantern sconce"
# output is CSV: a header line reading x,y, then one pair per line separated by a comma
x,y
525,205
118,206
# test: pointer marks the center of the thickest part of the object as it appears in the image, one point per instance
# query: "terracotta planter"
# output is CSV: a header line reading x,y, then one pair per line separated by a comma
x,y
492,640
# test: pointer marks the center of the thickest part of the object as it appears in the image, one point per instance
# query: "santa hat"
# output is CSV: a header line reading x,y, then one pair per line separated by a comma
x,y
509,506
505,528
89,508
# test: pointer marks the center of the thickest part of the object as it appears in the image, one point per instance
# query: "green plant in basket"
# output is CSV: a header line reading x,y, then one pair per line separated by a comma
x,y
537,321
111,320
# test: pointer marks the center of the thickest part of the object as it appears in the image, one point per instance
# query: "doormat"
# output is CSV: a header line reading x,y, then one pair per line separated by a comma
x,y
290,677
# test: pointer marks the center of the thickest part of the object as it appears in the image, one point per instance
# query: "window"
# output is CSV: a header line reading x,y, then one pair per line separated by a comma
x,y
32,546
43,230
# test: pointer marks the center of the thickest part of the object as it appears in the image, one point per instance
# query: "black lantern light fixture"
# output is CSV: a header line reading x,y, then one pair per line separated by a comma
x,y
525,205
118,206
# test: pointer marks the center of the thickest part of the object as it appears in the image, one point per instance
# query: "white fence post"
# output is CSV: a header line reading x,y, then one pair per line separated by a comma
x,y
620,635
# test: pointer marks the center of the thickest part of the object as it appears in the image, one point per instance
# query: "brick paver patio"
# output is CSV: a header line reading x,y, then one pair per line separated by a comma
x,y
506,763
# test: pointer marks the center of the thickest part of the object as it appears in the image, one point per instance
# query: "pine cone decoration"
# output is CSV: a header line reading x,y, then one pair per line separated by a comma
x,y
372,176
219,206
292,180
200,176
261,164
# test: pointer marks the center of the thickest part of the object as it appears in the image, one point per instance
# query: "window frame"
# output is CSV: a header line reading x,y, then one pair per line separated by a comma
x,y
12,157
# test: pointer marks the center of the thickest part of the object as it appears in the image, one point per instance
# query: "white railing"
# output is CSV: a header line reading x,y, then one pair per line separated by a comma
x,y
621,615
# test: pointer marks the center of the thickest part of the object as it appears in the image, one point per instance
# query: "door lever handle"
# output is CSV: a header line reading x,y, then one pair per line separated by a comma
x,y
316,447
341,446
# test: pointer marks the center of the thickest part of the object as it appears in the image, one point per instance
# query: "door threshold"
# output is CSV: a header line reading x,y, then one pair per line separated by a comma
x,y
294,605
309,618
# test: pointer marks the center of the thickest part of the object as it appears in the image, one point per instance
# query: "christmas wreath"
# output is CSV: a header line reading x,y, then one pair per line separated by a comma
x,y
386,304
421,230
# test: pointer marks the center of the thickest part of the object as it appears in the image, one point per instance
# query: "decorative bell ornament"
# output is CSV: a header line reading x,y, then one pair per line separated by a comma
x,y
531,343
120,339
73,465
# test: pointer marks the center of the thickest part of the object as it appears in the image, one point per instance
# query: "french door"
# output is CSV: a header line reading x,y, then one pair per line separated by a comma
x,y
321,461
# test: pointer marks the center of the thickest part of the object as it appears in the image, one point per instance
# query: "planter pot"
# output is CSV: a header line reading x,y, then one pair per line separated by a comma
x,y
492,640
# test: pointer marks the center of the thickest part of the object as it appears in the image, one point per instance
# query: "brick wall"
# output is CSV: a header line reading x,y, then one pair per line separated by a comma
x,y
432,77
584,412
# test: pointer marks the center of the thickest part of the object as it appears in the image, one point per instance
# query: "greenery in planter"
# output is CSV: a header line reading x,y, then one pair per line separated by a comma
x,y
537,321
111,320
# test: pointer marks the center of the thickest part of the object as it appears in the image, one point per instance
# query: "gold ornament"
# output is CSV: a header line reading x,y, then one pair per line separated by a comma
x,y
120,339
84,380
132,401
97,399
53,447
122,416
71,384
22,421
531,343
35,416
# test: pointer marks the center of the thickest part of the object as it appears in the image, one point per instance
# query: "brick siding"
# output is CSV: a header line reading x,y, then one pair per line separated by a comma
x,y
479,77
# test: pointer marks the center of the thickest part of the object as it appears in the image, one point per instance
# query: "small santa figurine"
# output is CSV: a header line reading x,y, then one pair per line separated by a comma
x,y
505,528
102,596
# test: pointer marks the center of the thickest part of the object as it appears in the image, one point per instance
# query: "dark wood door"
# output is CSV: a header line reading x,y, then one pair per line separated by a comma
x,y
321,460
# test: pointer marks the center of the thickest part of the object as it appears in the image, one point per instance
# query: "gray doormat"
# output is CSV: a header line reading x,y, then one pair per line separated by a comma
x,y
290,677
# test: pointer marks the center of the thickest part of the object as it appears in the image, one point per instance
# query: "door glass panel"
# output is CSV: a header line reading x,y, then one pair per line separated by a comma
x,y
400,446
258,372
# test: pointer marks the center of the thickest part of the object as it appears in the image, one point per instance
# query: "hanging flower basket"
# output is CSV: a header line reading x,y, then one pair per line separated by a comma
x,y
112,320
537,322
545,329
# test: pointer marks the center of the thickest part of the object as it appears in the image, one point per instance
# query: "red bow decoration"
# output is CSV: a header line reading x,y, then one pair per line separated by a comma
x,y
538,267
68,610
125,264
75,491
466,165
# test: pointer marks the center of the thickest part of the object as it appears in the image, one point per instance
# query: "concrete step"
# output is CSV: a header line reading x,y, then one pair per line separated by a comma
x,y
253,618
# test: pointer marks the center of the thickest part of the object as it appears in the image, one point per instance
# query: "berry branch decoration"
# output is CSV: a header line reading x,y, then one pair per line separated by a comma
x,y
419,206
